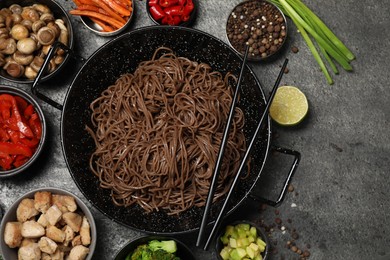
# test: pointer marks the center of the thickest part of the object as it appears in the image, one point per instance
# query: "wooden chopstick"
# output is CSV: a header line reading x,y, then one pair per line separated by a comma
x,y
242,165
218,163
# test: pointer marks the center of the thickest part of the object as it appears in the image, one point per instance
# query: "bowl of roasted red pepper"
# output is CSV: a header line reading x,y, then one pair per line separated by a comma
x,y
172,12
22,130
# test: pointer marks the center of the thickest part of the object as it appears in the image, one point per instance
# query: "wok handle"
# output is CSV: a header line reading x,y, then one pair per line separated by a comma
x,y
294,166
43,69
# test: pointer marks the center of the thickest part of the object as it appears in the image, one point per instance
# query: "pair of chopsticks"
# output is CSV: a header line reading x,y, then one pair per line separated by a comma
x,y
221,152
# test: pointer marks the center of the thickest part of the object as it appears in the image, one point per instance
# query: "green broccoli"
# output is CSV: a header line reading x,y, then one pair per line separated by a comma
x,y
166,245
155,250
160,254
142,252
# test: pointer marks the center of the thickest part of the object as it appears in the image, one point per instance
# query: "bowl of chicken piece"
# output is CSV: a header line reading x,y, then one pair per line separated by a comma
x,y
48,223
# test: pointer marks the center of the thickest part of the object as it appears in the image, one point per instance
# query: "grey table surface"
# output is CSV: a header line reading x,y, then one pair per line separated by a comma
x,y
340,207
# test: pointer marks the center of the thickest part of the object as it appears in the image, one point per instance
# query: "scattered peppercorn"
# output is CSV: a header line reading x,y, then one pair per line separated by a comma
x,y
294,49
258,24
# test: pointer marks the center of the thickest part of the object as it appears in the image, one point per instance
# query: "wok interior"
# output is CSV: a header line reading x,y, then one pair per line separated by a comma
x,y
123,55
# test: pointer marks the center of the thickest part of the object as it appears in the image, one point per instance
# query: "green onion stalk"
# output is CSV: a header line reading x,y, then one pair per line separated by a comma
x,y
312,27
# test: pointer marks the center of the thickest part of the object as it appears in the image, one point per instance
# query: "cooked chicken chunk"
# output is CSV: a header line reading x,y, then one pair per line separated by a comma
x,y
27,241
45,256
26,210
69,234
85,232
13,234
73,220
29,252
42,201
32,229
78,253
53,215
47,245
76,241
55,234
42,220
58,255
65,203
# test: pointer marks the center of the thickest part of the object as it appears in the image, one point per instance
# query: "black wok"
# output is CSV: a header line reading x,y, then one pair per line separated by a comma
x,y
123,54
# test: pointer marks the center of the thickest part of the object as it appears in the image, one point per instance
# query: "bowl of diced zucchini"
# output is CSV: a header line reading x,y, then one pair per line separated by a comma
x,y
242,240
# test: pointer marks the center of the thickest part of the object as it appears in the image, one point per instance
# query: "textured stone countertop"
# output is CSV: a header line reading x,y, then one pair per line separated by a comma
x,y
340,206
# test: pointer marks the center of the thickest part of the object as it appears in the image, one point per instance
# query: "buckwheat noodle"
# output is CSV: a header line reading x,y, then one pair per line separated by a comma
x,y
157,134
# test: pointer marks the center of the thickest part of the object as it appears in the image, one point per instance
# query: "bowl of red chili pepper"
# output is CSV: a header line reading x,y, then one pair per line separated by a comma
x,y
22,130
105,17
172,12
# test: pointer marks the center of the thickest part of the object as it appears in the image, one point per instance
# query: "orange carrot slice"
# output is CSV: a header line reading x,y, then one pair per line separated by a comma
x,y
108,19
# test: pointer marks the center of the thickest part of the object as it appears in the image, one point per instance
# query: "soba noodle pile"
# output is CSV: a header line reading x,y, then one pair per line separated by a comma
x,y
158,132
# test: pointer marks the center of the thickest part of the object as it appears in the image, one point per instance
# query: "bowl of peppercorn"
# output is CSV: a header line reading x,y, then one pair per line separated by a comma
x,y
259,24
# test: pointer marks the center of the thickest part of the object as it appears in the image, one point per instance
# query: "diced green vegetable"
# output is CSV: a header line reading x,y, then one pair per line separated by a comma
x,y
237,254
241,242
225,253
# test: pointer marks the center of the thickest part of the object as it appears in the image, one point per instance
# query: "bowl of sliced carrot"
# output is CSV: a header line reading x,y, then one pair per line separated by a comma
x,y
104,17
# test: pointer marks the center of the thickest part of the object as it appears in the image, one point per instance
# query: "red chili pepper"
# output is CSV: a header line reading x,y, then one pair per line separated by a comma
x,y
23,128
15,149
32,143
153,2
174,10
28,111
5,162
5,109
185,18
188,8
167,3
171,20
20,160
157,12
22,104
36,126
20,131
176,20
182,2
14,136
4,135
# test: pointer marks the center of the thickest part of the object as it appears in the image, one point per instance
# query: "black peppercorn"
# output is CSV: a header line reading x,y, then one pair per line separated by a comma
x,y
258,24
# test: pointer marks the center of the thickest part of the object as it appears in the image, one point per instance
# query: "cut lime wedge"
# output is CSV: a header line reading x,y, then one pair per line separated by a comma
x,y
289,106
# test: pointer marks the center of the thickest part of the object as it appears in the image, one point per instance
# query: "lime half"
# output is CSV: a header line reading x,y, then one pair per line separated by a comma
x,y
289,106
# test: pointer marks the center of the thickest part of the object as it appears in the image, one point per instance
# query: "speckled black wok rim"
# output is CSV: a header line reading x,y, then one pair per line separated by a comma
x,y
123,54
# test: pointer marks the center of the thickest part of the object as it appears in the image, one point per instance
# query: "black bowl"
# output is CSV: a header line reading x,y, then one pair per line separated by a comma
x,y
182,249
185,24
59,13
18,92
260,233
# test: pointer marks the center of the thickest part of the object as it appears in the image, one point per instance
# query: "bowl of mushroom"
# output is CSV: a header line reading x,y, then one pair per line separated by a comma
x,y
28,28
48,223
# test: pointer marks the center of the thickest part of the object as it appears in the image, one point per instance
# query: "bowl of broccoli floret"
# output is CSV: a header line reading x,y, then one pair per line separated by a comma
x,y
155,248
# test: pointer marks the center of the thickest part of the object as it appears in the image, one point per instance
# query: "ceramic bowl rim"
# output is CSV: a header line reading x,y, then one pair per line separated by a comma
x,y
10,215
30,99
